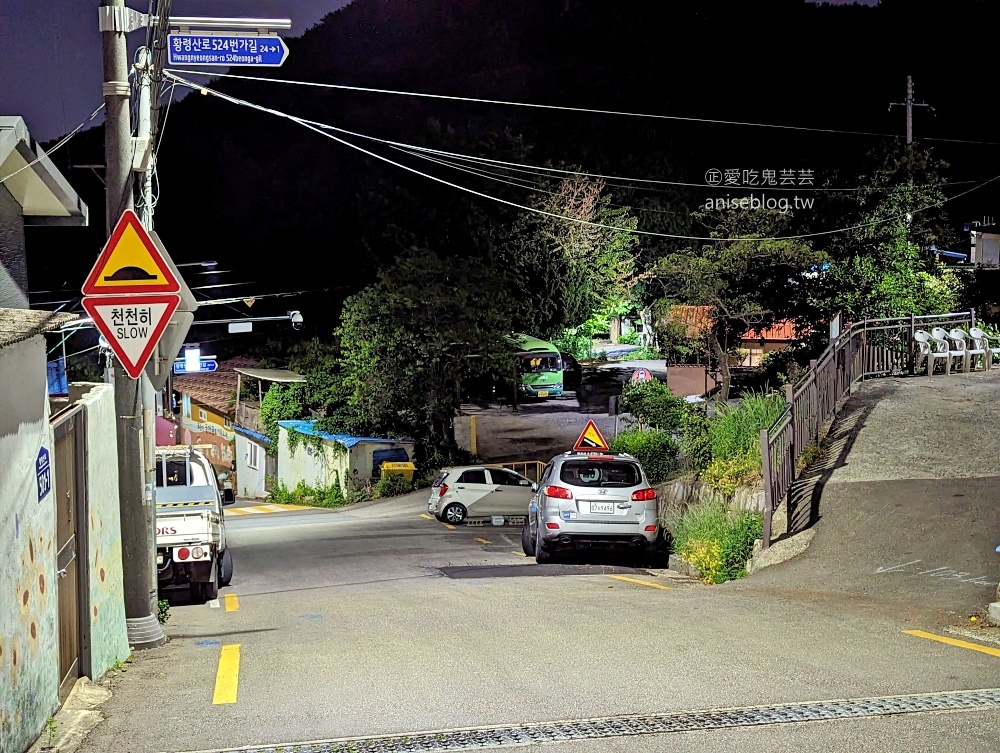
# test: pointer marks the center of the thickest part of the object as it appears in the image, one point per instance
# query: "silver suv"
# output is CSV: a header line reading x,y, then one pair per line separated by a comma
x,y
587,499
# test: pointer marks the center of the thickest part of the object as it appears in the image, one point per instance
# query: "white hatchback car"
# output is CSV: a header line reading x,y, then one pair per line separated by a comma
x,y
477,491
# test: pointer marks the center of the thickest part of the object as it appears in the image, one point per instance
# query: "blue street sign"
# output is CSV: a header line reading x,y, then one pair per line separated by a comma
x,y
237,49
205,364
43,473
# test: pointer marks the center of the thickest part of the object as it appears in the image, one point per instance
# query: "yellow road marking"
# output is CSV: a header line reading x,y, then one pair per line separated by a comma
x,y
232,603
482,541
425,515
227,678
640,582
520,554
449,526
954,642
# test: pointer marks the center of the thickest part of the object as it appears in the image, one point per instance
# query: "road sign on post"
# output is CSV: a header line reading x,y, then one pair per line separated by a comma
x,y
259,51
642,375
204,365
591,440
131,293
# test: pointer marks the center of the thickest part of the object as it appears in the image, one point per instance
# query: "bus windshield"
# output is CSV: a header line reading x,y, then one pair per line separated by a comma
x,y
536,363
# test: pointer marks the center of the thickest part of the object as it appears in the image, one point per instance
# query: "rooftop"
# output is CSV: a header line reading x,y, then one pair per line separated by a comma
x,y
309,427
21,324
214,389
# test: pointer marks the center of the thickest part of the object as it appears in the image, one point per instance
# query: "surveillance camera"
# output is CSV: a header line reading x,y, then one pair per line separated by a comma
x,y
296,319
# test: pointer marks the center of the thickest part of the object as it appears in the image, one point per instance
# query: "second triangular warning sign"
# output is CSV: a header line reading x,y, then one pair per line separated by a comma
x,y
130,263
591,440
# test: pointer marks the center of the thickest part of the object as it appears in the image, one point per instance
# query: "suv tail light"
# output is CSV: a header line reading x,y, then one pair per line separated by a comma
x,y
643,495
442,490
558,492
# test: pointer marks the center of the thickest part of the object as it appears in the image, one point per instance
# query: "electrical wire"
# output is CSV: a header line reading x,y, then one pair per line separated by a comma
x,y
59,145
541,170
650,233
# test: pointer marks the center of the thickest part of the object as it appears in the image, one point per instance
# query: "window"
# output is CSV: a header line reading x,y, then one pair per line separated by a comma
x,y
477,476
537,363
253,456
228,422
202,416
176,472
594,473
504,478
440,479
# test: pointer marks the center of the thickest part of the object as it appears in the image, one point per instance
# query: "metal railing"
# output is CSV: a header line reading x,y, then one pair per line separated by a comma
x,y
530,469
867,349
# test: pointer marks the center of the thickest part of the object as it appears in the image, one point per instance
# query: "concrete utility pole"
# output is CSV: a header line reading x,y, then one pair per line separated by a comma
x,y
909,104
137,512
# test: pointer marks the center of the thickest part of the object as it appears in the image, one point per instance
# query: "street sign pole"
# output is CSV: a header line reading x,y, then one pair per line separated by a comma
x,y
136,510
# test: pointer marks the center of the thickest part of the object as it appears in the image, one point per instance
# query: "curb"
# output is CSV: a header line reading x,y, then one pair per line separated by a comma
x,y
779,551
75,719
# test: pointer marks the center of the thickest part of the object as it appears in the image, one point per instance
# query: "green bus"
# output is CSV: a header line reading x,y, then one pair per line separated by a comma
x,y
540,367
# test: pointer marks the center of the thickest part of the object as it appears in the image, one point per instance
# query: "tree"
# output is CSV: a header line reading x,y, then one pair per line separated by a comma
x,y
748,275
409,340
883,266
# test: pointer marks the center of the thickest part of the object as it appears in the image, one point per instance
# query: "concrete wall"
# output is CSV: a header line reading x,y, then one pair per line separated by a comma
x,y
29,642
682,492
250,481
108,636
13,262
317,467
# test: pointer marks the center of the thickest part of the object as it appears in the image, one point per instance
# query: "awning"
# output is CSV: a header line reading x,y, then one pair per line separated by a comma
x,y
283,376
45,196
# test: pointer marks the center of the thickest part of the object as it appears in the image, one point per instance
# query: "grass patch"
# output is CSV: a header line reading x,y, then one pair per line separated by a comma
x,y
715,540
734,435
812,453
313,496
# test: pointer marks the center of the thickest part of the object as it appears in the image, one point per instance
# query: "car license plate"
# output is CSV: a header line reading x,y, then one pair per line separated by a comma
x,y
602,507
543,393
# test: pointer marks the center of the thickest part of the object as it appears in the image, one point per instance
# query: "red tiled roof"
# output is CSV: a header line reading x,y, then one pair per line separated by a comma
x,y
780,331
214,389
697,319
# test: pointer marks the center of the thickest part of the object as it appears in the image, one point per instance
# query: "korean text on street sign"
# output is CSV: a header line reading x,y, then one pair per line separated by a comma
x,y
205,364
130,263
591,440
132,325
266,51
43,473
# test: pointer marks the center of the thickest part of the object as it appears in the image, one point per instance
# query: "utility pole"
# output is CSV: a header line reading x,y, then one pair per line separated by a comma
x,y
136,506
909,104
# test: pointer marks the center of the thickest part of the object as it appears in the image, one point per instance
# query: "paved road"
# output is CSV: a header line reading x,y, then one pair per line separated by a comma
x,y
374,620
908,501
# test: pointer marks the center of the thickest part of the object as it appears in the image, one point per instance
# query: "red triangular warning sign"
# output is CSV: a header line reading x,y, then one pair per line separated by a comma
x,y
591,440
132,325
130,263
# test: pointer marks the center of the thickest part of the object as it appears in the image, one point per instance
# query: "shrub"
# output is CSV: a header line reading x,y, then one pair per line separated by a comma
x,y
392,485
314,496
696,440
629,338
655,450
736,430
716,541
654,405
728,474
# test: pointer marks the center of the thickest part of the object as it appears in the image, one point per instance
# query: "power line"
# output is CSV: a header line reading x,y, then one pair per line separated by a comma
x,y
300,121
61,144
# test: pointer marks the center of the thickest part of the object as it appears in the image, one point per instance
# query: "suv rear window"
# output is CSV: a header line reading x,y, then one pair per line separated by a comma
x,y
607,473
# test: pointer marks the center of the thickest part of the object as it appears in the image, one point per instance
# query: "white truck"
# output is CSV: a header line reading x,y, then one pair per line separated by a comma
x,y
191,545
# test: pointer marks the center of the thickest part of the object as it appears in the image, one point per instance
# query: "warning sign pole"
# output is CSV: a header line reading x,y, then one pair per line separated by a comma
x,y
136,506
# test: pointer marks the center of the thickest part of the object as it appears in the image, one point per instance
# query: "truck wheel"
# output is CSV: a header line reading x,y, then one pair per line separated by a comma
x,y
210,590
226,568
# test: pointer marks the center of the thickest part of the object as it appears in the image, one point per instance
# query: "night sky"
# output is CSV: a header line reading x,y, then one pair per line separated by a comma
x,y
50,52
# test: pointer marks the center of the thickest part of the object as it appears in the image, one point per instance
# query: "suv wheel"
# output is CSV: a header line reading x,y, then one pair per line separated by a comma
x,y
454,513
542,553
527,542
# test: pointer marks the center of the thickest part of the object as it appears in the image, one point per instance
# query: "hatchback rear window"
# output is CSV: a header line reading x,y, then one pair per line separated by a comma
x,y
440,480
607,473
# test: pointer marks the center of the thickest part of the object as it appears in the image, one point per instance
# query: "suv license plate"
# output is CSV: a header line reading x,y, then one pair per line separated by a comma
x,y
602,507
543,393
